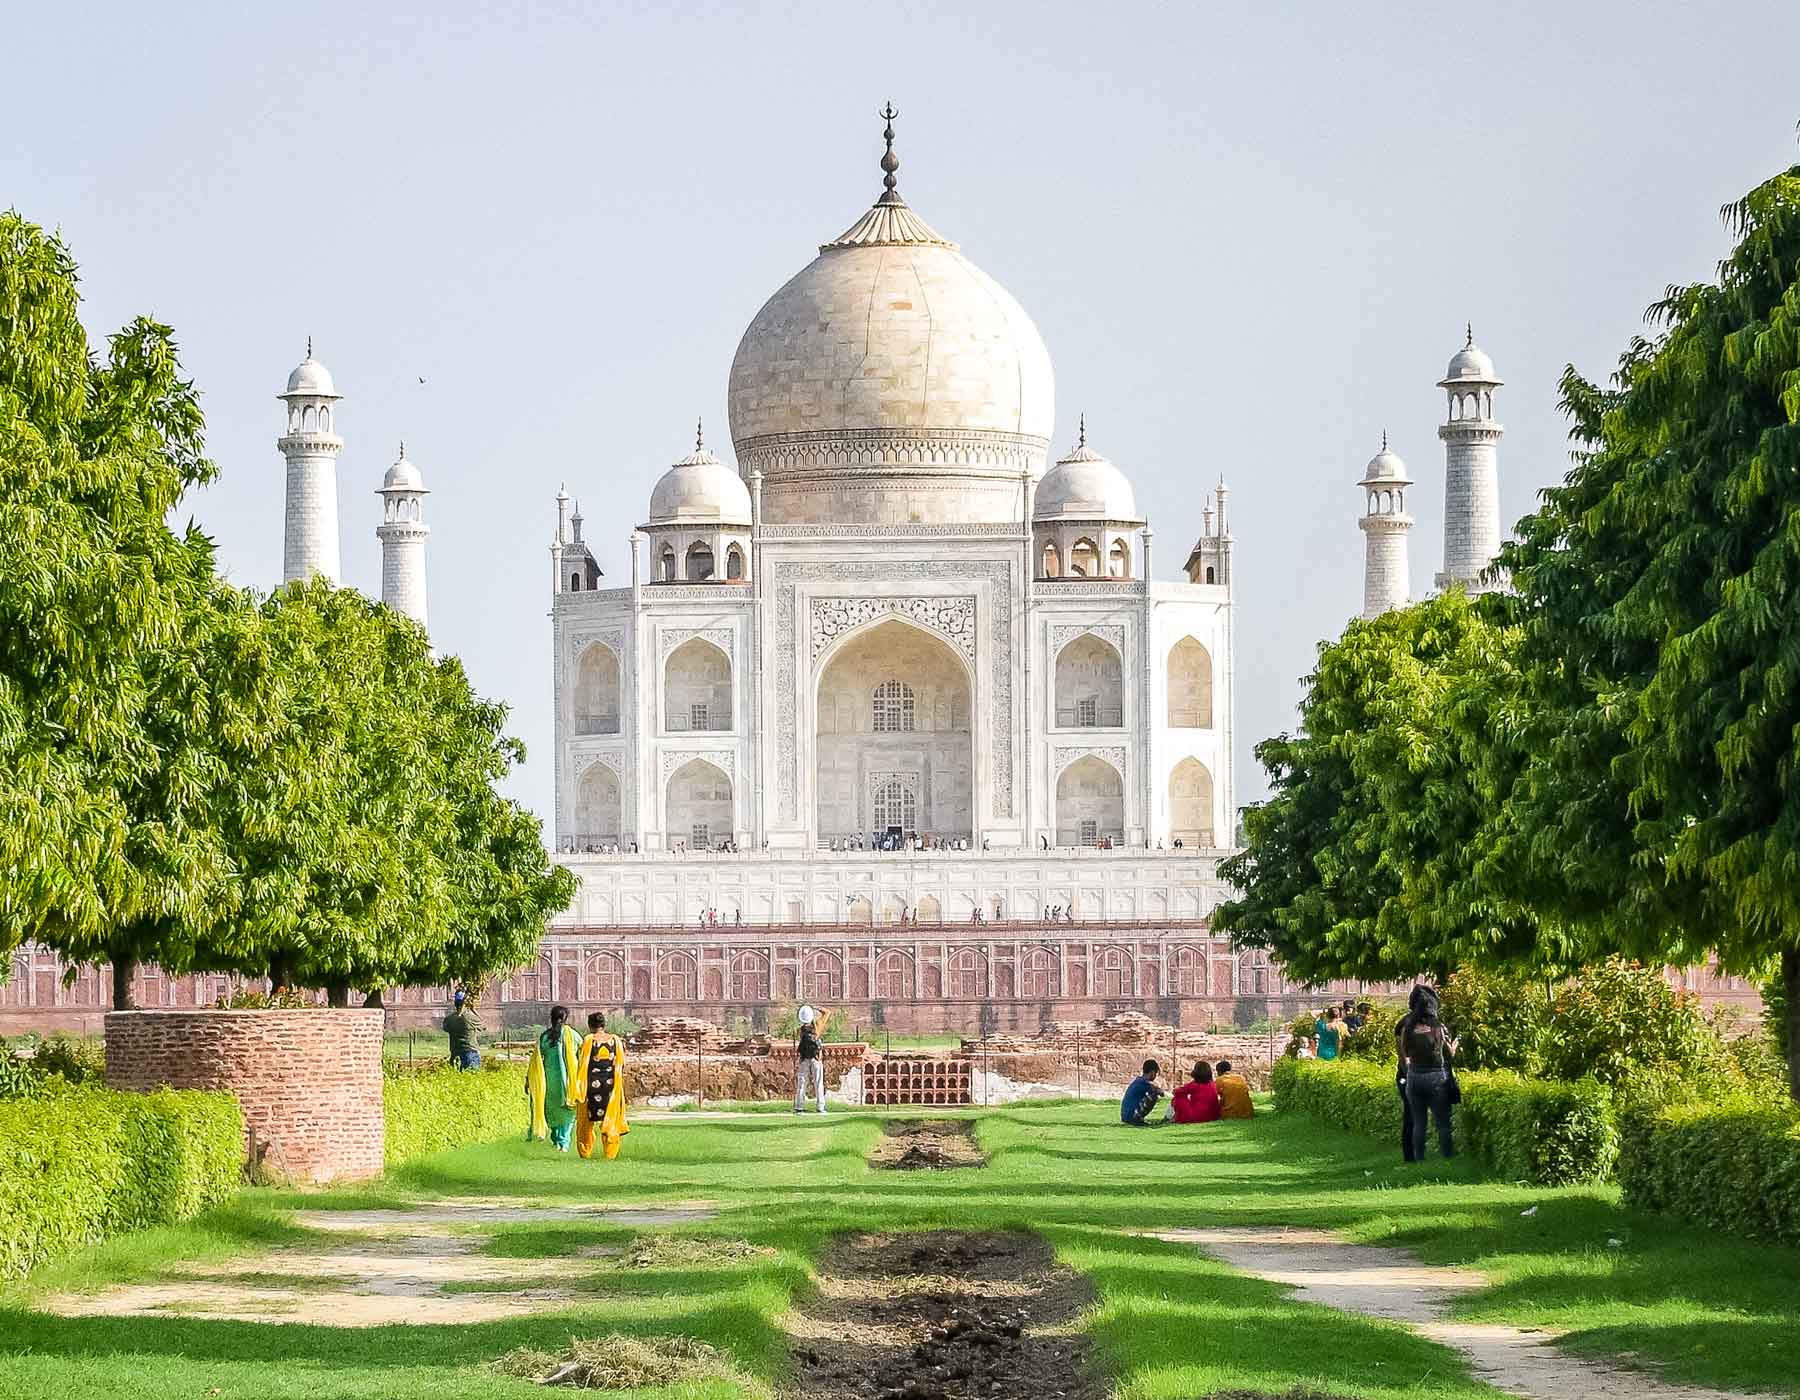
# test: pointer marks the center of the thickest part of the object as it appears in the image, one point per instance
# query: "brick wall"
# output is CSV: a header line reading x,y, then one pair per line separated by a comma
x,y
309,1081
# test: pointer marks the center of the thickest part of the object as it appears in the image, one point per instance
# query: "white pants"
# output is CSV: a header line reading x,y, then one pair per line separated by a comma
x,y
809,1072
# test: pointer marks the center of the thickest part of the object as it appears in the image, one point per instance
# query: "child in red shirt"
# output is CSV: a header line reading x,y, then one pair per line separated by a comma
x,y
1197,1101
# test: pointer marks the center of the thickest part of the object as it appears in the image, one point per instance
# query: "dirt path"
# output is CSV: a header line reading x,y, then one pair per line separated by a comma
x,y
910,1144
1392,1284
943,1316
391,1266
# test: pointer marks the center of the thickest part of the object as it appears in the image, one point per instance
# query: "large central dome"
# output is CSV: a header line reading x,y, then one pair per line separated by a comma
x,y
891,380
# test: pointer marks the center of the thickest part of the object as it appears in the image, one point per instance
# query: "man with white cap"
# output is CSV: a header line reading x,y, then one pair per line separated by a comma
x,y
809,1070
462,1025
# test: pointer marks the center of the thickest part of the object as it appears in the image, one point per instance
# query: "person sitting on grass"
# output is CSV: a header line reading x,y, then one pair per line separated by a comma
x,y
1141,1096
1234,1092
1197,1101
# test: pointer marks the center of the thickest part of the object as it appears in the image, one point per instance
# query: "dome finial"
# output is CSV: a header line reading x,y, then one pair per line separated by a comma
x,y
1081,437
699,435
1469,326
1384,439
309,347
889,161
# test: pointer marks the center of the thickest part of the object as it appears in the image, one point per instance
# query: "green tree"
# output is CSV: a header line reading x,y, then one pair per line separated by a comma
x,y
1685,501
1369,859
95,454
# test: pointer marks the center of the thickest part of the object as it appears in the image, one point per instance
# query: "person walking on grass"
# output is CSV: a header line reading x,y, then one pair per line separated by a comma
x,y
809,1066
1425,1057
602,1077
462,1026
552,1081
1141,1097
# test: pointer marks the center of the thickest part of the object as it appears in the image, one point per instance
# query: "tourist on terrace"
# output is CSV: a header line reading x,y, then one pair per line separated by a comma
x,y
1424,1061
602,1077
1141,1097
809,1067
1234,1092
1197,1101
462,1026
552,1080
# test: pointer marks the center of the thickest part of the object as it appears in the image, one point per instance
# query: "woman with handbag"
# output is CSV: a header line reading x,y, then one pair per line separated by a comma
x,y
1426,1051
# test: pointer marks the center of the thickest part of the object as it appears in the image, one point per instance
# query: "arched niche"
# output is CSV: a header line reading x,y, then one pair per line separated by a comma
x,y
1191,804
599,808
1090,803
1089,684
696,688
893,734
1084,559
597,690
699,562
698,807
1190,686
734,564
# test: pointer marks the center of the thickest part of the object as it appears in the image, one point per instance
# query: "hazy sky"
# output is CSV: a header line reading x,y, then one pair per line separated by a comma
x,y
1250,240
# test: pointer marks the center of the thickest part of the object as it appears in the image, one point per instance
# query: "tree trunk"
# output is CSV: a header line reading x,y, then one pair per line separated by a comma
x,y
337,994
1790,989
124,969
278,973
373,1000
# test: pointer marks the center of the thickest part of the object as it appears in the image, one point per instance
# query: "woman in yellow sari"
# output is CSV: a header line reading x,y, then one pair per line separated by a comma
x,y
602,1076
552,1080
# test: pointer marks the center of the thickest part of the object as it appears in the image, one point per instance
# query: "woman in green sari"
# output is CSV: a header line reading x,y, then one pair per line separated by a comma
x,y
550,1081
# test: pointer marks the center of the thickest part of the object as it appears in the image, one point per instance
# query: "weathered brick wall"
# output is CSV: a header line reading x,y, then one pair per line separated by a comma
x,y
309,1081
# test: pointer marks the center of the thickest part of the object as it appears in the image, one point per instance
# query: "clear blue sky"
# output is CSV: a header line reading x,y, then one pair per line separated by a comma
x,y
1250,240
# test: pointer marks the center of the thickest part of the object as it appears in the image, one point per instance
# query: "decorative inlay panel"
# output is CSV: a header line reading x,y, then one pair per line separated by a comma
x,y
724,759
724,638
1112,632
606,759
953,618
1111,753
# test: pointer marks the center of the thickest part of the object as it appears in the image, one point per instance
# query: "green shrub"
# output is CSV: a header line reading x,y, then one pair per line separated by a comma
x,y
1374,1039
1732,1166
1548,1131
79,1165
1499,1021
442,1108
80,1061
1526,1130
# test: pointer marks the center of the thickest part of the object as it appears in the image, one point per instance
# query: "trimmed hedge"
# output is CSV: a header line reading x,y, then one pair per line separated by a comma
x,y
1548,1132
80,1165
1733,1166
442,1108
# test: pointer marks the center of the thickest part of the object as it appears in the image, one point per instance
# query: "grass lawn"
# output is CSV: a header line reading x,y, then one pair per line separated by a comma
x,y
1170,1325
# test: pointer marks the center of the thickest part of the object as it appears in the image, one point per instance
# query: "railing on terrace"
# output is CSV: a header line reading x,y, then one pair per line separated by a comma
x,y
590,844
935,927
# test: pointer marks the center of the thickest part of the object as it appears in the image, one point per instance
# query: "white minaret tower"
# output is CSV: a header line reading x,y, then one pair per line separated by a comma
x,y
311,449
1471,469
403,533
1385,523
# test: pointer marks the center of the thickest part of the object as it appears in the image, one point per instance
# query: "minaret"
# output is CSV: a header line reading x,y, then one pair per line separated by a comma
x,y
402,533
1471,469
311,449
1386,571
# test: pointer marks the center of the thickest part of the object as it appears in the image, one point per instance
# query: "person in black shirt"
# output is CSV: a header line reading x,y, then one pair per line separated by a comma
x,y
1423,1054
809,1069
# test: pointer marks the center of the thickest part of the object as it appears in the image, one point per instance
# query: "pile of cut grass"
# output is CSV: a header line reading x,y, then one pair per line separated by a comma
x,y
618,1362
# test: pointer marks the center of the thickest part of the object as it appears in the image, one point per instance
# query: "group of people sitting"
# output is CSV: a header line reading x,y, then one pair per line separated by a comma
x,y
1216,1091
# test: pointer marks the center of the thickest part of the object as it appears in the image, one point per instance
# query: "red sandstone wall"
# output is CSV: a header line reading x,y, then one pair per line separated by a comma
x,y
309,1081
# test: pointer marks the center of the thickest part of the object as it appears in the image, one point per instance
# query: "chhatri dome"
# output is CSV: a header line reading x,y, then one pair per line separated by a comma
x,y
891,380
1084,485
1470,364
311,378
700,488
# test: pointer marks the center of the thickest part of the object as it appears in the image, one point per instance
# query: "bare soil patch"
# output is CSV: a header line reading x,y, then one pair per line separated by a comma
x,y
929,1144
1391,1283
943,1316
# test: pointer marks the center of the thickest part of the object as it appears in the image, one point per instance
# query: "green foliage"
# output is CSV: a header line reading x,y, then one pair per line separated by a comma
x,y
443,1108
1547,1131
785,1025
1774,1000
249,998
1733,1166
79,1165
1520,1129
1500,1020
1374,1039
79,1061
20,1077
